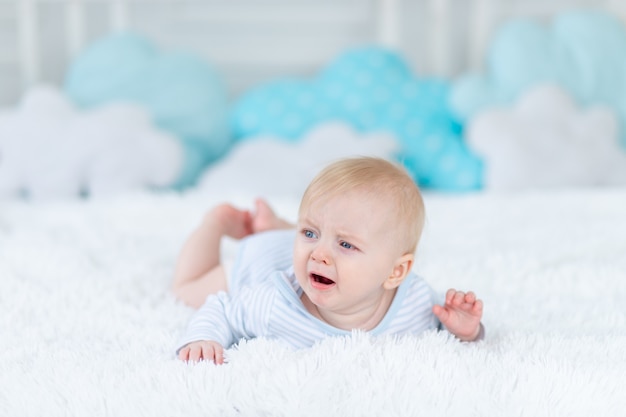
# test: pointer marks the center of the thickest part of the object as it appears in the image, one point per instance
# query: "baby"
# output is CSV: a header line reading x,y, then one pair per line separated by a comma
x,y
349,266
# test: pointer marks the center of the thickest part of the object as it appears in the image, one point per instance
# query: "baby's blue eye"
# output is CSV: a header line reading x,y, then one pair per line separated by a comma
x,y
309,234
346,245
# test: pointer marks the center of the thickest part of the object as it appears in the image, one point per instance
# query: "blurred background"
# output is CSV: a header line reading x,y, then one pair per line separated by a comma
x,y
103,96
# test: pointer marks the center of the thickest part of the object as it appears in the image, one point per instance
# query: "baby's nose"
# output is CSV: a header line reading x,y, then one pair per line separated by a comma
x,y
320,254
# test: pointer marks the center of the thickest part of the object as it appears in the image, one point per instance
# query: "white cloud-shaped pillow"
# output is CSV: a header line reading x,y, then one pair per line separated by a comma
x,y
272,167
50,150
547,140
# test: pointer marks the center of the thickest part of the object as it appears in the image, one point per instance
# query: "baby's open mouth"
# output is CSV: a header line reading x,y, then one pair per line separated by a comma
x,y
322,280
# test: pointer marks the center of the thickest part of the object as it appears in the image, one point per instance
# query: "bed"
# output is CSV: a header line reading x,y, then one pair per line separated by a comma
x,y
89,325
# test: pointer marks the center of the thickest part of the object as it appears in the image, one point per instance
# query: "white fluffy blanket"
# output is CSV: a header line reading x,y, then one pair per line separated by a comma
x,y
88,325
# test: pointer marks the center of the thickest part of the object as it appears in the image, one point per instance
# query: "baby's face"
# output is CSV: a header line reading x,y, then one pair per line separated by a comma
x,y
345,251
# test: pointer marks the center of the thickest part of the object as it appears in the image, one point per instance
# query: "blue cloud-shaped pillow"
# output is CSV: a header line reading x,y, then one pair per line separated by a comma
x,y
582,51
373,89
183,93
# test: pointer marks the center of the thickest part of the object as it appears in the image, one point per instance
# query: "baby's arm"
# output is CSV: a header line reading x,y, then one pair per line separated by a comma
x,y
461,314
209,323
224,319
202,349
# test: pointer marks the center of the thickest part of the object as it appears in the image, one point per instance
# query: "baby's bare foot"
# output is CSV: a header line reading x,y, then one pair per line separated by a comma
x,y
233,222
264,218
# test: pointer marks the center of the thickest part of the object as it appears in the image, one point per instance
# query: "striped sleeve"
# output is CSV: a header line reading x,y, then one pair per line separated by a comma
x,y
226,319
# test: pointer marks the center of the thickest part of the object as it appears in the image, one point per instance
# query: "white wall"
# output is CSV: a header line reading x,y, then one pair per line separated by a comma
x,y
251,41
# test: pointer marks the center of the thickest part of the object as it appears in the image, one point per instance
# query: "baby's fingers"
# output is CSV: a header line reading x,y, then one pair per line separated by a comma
x,y
461,301
450,295
219,355
472,305
441,313
457,299
183,354
214,353
477,308
470,297
195,353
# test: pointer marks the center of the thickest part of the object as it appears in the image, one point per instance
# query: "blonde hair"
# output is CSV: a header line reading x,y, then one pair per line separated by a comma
x,y
381,179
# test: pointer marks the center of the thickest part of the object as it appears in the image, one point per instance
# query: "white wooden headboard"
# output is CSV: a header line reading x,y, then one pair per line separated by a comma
x,y
250,41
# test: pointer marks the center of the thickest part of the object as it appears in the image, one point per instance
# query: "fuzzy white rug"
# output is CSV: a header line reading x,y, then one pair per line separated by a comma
x,y
88,326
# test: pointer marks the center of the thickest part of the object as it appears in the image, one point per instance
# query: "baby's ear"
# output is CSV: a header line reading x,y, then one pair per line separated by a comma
x,y
401,269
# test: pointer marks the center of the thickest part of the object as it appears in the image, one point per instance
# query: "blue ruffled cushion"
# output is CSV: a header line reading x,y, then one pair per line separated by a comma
x,y
371,88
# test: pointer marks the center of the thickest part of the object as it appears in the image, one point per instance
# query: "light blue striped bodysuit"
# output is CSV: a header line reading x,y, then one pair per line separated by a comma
x,y
264,301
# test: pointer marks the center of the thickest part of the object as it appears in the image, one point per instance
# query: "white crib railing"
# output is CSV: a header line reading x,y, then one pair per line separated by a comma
x,y
434,47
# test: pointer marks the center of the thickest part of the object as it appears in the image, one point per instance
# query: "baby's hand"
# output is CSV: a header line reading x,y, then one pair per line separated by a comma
x,y
203,349
461,314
